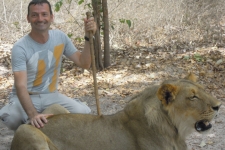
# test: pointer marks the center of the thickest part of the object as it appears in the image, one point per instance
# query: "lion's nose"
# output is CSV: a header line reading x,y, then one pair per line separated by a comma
x,y
216,108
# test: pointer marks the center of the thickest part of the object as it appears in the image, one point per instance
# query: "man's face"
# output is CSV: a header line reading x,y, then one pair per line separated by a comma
x,y
39,17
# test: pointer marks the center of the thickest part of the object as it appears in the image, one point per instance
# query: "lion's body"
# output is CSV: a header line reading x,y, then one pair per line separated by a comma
x,y
159,118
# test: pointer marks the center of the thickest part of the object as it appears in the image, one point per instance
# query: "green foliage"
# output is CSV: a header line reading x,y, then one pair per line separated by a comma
x,y
89,5
80,2
186,57
69,1
122,20
198,57
58,5
112,27
128,22
79,39
70,35
76,39
16,24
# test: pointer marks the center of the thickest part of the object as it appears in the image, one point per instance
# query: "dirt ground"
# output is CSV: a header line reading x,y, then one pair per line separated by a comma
x,y
119,82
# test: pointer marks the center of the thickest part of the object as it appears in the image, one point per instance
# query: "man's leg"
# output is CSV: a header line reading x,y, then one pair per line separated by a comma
x,y
55,109
72,105
13,114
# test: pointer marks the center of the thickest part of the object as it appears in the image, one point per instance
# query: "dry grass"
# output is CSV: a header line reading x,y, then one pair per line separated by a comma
x,y
170,24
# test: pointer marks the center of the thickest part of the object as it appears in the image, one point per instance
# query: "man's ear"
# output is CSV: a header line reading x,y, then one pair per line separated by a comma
x,y
167,93
28,19
52,18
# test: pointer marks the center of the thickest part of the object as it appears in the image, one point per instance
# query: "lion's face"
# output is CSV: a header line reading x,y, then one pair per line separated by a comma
x,y
188,105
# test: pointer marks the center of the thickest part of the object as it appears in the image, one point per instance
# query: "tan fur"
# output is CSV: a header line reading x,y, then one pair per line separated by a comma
x,y
55,109
159,118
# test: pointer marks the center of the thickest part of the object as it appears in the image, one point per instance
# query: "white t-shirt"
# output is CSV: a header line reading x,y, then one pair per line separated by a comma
x,y
42,62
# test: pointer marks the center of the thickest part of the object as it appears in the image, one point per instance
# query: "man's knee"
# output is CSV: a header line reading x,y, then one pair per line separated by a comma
x,y
55,109
11,121
80,107
81,110
10,117
72,105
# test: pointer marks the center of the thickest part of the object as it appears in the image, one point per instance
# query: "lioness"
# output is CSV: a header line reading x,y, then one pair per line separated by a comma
x,y
159,118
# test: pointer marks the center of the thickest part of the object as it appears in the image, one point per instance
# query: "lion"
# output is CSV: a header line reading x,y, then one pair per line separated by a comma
x,y
158,118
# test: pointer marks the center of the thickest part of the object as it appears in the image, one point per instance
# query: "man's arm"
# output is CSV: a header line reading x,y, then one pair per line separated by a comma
x,y
83,59
20,79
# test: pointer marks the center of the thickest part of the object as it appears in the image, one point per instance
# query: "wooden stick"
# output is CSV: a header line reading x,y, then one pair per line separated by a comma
x,y
93,67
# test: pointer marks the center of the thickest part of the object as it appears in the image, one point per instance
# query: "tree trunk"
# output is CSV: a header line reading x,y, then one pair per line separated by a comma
x,y
106,34
97,42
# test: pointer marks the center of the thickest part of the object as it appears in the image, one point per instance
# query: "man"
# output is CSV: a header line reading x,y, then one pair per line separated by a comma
x,y
36,62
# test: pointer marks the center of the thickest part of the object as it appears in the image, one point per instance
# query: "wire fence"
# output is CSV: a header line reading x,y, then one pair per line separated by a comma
x,y
13,21
152,21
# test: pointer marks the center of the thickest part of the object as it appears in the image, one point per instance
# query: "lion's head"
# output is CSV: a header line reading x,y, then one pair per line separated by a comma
x,y
188,105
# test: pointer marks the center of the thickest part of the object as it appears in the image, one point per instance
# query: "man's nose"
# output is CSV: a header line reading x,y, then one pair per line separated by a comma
x,y
40,18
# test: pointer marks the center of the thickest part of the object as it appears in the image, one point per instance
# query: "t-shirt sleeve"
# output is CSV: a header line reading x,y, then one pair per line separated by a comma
x,y
69,46
18,59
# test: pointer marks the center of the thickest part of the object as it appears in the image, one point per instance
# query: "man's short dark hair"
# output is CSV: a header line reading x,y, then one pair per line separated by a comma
x,y
39,2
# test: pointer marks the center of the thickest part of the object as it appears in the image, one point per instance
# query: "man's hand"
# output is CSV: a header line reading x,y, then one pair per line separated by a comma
x,y
89,25
39,120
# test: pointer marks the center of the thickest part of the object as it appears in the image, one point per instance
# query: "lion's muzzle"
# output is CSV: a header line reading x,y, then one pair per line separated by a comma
x,y
202,125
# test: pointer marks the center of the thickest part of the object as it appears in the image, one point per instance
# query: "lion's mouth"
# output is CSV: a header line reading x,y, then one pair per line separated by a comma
x,y
202,125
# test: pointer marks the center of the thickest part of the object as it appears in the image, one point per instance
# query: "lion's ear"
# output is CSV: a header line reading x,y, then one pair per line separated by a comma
x,y
191,77
167,93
